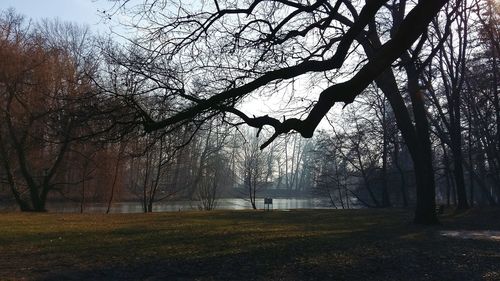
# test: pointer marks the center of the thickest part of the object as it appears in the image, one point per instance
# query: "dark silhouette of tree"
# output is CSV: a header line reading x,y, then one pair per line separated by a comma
x,y
207,58
451,65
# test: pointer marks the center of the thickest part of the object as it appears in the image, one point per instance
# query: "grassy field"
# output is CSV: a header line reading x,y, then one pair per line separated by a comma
x,y
246,245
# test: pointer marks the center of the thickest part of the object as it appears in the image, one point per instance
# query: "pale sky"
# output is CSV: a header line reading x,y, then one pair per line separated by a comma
x,y
78,11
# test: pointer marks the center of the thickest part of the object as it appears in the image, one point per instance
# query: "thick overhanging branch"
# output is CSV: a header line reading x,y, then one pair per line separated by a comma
x,y
336,61
261,121
412,27
343,93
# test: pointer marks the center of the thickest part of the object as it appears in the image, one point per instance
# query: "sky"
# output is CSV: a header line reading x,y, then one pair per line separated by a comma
x,y
89,12
79,11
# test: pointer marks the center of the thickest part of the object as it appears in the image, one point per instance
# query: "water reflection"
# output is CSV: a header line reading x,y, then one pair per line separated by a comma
x,y
223,204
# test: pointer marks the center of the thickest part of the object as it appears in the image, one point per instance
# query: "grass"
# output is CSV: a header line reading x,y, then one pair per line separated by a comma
x,y
246,245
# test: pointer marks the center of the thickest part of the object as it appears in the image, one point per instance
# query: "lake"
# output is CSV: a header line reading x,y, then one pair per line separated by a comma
x,y
169,206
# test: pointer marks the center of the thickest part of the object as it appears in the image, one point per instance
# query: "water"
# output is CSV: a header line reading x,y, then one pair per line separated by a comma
x,y
222,204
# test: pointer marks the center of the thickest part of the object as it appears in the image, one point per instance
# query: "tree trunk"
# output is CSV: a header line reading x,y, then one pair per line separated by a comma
x,y
416,137
425,212
458,173
115,177
418,143
386,201
446,175
401,173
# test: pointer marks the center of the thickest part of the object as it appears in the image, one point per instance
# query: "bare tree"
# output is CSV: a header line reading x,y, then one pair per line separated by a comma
x,y
41,87
271,46
451,65
332,175
254,169
214,170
